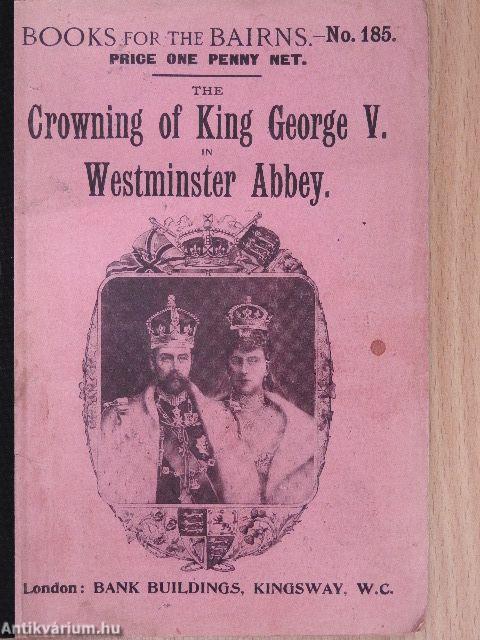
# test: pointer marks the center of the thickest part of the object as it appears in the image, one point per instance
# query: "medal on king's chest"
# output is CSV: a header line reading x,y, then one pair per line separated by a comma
x,y
182,425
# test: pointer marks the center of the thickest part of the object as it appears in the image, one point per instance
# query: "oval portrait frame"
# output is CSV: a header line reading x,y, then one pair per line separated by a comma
x,y
209,536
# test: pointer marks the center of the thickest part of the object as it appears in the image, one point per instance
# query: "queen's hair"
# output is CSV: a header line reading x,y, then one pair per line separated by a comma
x,y
256,339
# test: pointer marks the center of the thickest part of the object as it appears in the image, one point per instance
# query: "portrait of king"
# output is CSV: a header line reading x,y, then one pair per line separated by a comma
x,y
154,446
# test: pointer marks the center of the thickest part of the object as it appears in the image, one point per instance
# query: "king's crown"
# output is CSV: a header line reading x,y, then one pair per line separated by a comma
x,y
172,326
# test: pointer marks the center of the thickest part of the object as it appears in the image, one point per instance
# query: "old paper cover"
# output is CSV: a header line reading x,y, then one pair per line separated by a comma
x,y
221,317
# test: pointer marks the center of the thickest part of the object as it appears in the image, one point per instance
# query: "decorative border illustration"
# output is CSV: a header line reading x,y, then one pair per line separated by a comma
x,y
209,536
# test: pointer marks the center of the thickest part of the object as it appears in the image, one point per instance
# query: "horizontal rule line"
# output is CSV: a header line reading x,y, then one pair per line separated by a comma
x,y
205,75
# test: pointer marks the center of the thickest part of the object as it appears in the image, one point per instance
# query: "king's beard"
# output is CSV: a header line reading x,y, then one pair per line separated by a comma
x,y
173,383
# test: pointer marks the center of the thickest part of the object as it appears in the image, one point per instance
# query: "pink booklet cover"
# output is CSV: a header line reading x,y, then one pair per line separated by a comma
x,y
221,317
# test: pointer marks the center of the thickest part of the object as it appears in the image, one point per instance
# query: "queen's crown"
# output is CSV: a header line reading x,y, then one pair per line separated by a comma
x,y
248,317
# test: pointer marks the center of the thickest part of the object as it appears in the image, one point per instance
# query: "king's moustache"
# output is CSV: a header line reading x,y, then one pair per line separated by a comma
x,y
173,380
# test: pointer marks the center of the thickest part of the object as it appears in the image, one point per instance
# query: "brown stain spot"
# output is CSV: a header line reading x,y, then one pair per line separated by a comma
x,y
378,347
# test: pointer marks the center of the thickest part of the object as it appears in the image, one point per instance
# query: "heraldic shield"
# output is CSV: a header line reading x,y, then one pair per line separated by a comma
x,y
207,390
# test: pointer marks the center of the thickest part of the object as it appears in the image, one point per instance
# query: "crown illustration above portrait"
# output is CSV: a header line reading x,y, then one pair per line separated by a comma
x,y
248,317
208,245
172,326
